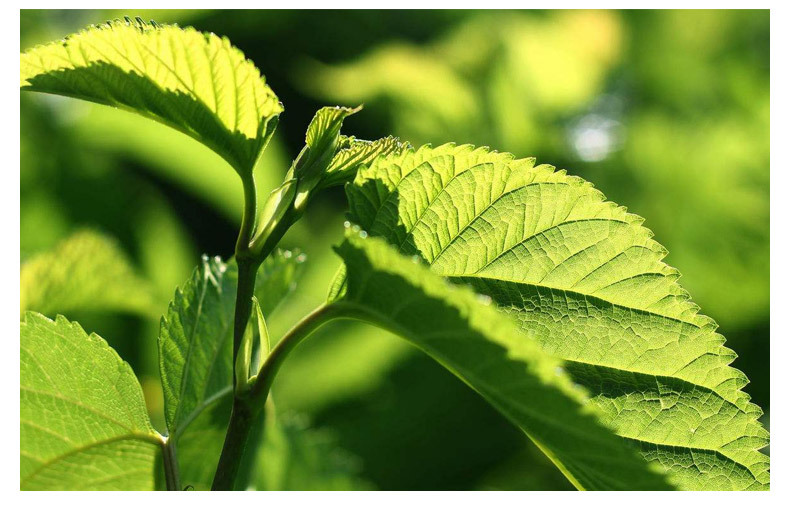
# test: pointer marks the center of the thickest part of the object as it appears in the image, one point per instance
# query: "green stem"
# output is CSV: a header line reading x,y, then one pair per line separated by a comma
x,y
248,216
244,291
303,329
172,479
248,406
264,243
242,417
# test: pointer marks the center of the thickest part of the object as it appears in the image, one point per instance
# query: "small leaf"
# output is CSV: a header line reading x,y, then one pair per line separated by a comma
x,y
195,82
464,332
263,330
86,272
195,342
586,280
355,153
84,424
245,356
322,139
323,132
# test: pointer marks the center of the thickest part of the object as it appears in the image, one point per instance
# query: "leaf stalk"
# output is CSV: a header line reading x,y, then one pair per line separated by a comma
x,y
249,404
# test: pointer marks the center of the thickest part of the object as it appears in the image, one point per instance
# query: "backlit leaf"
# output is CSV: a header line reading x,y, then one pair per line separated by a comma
x,y
195,82
484,348
74,276
83,421
586,280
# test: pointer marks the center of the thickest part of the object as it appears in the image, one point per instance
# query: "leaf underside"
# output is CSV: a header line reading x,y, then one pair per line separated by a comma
x,y
586,280
195,82
83,421
485,349
195,346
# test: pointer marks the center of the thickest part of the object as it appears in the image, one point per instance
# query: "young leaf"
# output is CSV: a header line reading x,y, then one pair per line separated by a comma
x,y
194,82
195,342
83,422
263,329
322,139
587,281
463,332
354,153
86,272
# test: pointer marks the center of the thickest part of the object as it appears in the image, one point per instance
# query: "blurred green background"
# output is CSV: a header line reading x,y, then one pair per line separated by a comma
x,y
667,112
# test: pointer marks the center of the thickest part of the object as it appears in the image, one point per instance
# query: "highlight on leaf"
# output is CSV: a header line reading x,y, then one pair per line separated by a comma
x,y
195,82
484,348
354,153
586,280
322,140
83,421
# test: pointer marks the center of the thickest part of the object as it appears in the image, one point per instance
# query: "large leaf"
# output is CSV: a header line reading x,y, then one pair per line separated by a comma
x,y
197,83
74,276
83,422
586,280
465,333
195,341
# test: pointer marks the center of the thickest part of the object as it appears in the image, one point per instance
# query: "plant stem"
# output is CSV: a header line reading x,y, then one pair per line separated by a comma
x,y
242,416
247,407
244,292
172,479
303,329
248,216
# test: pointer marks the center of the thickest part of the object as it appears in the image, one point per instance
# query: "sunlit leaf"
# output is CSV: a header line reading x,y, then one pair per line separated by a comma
x,y
83,422
586,280
354,153
197,83
484,348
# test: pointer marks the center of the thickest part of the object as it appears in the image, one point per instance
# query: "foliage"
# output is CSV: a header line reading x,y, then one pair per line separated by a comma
x,y
551,303
585,279
74,276
197,83
83,420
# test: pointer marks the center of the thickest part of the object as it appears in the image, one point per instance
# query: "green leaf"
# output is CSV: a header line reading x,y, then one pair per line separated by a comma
x,y
354,153
83,422
194,82
484,348
586,280
86,272
263,330
195,341
322,139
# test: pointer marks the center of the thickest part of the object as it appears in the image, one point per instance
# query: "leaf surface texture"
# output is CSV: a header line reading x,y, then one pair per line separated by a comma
x,y
195,82
83,421
586,280
483,347
195,345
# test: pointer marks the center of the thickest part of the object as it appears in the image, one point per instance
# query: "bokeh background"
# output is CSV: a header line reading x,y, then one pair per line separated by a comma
x,y
667,112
